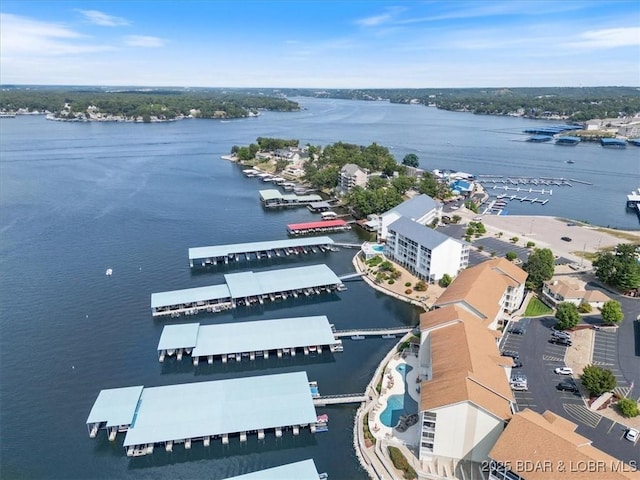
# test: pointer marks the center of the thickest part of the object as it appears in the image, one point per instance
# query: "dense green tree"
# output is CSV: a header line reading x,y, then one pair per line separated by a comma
x,y
375,183
244,154
471,205
428,184
445,281
612,312
403,183
597,380
567,316
619,268
511,256
411,160
628,407
540,266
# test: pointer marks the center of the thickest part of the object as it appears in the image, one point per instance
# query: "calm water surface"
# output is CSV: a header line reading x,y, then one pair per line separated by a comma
x,y
78,198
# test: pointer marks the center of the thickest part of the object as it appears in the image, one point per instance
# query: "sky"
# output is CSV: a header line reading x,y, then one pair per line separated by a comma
x,y
321,44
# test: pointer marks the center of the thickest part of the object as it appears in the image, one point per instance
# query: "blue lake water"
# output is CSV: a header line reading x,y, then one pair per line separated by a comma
x,y
78,198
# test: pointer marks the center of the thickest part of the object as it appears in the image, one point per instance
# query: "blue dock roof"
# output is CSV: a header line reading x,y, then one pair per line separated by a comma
x,y
613,142
116,406
199,409
237,248
248,336
190,295
304,470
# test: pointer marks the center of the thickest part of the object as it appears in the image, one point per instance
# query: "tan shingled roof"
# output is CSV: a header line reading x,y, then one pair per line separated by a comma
x,y
466,364
595,296
565,289
481,287
553,450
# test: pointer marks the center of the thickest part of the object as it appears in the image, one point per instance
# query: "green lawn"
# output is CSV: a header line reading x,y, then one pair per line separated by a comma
x,y
535,308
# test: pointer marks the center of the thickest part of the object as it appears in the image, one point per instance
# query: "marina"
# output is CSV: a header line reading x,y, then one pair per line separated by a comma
x,y
316,228
224,254
506,180
248,340
256,405
273,198
247,288
304,470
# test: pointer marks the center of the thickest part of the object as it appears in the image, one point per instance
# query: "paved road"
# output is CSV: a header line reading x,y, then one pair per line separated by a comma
x,y
539,359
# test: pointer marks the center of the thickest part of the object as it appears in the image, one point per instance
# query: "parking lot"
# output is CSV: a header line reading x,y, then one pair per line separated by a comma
x,y
539,359
501,248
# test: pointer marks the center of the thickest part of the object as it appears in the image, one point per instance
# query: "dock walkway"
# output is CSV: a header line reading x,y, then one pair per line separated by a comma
x,y
339,399
371,332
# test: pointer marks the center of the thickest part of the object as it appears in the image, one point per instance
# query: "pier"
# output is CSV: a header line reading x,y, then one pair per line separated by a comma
x,y
182,414
246,289
224,254
515,181
248,340
273,198
372,332
523,189
324,400
315,228
351,276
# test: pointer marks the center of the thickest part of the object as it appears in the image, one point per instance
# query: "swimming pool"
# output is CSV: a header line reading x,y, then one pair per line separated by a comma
x,y
401,404
378,248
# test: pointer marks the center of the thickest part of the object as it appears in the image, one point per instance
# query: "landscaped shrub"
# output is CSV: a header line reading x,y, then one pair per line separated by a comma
x,y
584,307
408,284
392,281
628,407
401,463
530,244
421,286
408,291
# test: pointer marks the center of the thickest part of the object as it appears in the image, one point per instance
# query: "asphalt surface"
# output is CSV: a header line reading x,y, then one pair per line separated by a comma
x,y
539,358
501,248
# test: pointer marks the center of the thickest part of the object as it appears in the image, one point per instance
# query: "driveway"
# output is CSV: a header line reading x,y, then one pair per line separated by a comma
x,y
539,359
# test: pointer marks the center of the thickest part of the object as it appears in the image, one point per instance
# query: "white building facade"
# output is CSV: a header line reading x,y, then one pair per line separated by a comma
x,y
423,251
351,176
421,209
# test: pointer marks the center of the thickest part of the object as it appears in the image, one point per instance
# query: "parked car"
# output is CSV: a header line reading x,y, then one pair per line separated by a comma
x,y
632,434
560,334
567,387
517,364
564,371
561,341
517,330
509,353
519,387
566,239
518,378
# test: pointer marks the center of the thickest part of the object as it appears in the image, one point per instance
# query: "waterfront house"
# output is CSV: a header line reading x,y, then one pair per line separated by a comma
x,y
465,397
558,291
546,447
421,209
423,251
351,176
490,290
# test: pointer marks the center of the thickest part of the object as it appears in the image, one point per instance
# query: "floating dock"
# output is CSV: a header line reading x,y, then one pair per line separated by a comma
x,y
204,411
248,340
317,207
613,142
314,228
273,198
247,288
224,254
304,470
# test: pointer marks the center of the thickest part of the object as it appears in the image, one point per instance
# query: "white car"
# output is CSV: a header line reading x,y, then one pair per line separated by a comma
x,y
564,371
632,434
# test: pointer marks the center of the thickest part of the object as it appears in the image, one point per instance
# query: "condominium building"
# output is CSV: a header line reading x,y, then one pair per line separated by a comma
x,y
423,251
351,175
421,209
489,290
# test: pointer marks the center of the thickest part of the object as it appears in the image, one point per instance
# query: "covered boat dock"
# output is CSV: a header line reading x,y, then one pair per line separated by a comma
x,y
613,142
184,413
247,288
223,254
304,470
248,340
272,198
311,228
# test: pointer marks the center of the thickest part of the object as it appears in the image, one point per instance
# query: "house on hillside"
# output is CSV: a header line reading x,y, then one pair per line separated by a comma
x,y
351,176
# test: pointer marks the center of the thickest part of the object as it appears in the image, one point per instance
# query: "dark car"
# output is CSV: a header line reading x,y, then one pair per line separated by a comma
x,y
509,353
567,387
565,342
517,364
566,239
517,330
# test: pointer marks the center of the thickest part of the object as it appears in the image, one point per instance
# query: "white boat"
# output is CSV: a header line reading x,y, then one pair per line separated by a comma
x,y
109,272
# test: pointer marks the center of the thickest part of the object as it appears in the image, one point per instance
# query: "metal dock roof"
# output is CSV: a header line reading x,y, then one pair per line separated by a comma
x,y
246,284
193,410
189,295
236,248
248,336
320,224
116,406
304,470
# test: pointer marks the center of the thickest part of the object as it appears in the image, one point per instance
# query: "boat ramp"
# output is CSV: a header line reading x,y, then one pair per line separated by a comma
x,y
258,405
247,288
223,254
248,340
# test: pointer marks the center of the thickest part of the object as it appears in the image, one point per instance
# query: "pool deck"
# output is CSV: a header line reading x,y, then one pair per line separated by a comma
x,y
393,384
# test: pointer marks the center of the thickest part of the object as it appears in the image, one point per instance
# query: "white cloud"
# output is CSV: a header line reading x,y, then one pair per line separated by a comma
x,y
26,36
382,19
608,38
144,41
104,20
